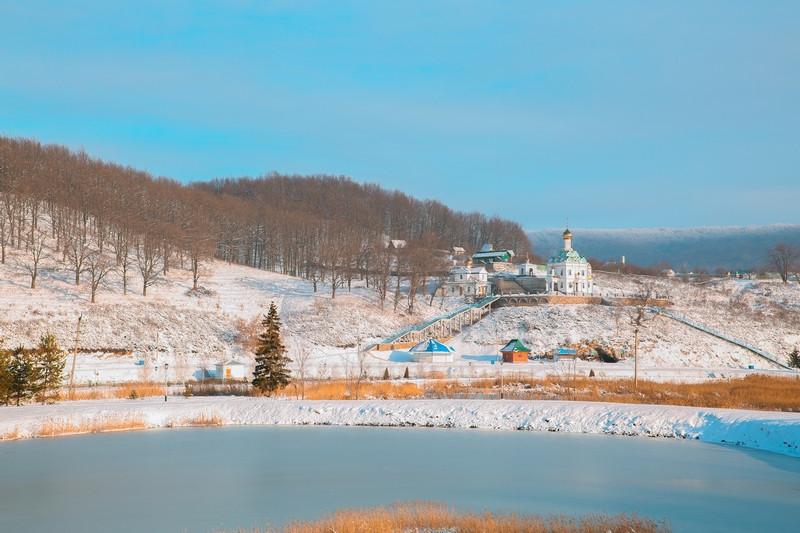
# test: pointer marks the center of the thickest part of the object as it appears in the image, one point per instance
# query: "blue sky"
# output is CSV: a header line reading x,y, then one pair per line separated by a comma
x,y
614,114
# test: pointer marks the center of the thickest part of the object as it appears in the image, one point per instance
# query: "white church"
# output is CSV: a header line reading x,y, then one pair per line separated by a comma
x,y
568,272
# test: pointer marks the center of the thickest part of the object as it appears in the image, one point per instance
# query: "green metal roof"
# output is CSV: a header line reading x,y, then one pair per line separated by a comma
x,y
515,345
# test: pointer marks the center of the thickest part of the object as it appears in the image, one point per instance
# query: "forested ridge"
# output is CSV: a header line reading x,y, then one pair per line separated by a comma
x,y
101,216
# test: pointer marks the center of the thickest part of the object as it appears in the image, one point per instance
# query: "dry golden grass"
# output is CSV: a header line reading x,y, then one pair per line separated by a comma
x,y
138,390
87,394
204,419
437,517
132,390
51,428
10,435
759,392
348,390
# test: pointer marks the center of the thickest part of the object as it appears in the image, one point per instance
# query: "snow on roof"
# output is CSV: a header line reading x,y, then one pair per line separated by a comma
x,y
515,345
468,269
492,253
232,362
432,346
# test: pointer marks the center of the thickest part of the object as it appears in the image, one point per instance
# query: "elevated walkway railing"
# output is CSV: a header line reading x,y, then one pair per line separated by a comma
x,y
441,327
747,346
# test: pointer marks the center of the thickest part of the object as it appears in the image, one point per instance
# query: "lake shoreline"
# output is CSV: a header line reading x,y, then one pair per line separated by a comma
x,y
777,432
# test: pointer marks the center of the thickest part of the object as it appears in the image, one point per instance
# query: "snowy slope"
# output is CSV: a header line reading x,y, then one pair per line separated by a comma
x,y
192,331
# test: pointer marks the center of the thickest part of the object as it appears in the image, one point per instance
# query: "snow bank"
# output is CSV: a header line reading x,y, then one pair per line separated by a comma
x,y
768,431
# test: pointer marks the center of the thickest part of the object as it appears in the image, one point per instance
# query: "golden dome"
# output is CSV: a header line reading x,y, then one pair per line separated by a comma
x,y
566,234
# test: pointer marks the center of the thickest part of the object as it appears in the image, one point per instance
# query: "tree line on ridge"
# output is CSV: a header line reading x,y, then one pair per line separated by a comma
x,y
101,217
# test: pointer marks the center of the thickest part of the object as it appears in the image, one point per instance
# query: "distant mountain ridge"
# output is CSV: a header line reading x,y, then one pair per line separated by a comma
x,y
709,247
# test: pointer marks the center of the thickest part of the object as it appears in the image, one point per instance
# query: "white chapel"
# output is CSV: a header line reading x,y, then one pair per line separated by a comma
x,y
568,272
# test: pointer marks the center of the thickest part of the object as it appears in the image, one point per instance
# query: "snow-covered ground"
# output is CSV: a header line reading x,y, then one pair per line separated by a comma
x,y
775,432
130,337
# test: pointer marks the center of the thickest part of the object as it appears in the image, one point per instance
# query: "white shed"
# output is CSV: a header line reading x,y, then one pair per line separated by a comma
x,y
231,370
432,351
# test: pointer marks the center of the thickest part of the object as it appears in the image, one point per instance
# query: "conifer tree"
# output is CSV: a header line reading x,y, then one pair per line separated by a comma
x,y
23,375
5,374
50,361
271,371
794,359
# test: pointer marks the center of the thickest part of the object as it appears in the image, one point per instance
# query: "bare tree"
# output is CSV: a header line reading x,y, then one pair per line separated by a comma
x,y
301,355
784,258
35,255
149,256
381,272
77,249
639,315
98,266
3,231
121,243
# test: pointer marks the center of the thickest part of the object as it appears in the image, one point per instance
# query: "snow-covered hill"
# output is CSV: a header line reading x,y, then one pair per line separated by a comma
x,y
194,330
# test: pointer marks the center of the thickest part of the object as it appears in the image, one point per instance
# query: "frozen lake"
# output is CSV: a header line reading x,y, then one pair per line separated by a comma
x,y
199,480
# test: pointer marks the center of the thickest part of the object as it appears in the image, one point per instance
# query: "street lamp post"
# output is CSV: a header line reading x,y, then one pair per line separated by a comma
x,y
166,367
501,378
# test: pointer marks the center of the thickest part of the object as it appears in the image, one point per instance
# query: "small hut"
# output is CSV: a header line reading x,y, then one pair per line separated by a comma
x,y
231,370
432,351
515,352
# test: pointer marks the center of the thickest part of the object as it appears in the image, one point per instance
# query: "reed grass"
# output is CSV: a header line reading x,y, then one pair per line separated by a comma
x,y
51,428
11,435
437,517
204,420
756,392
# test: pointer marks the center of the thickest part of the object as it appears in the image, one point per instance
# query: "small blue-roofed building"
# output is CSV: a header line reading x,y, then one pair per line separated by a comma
x,y
432,351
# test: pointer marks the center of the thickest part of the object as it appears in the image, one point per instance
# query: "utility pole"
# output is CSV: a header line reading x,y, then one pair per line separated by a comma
x,y
75,356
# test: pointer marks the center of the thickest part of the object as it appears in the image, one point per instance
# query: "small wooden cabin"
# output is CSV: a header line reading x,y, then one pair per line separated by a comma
x,y
515,352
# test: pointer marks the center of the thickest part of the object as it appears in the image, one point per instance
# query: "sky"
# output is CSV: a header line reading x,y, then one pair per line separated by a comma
x,y
611,114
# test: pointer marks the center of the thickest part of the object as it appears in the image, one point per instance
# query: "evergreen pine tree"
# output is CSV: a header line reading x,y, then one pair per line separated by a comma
x,y
271,371
794,359
50,362
23,375
5,374
406,376
386,374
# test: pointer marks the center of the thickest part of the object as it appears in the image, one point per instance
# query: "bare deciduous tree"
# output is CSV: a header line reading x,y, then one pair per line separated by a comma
x,y
784,258
35,255
639,315
149,256
98,266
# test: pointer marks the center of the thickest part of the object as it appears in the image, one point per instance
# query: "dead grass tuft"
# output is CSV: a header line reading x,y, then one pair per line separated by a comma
x,y
51,428
205,419
758,392
138,390
11,435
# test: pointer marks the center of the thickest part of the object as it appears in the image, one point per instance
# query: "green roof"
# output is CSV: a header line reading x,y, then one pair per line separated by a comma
x,y
515,345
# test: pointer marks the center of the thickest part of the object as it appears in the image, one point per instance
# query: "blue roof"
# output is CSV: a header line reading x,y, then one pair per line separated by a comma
x,y
432,346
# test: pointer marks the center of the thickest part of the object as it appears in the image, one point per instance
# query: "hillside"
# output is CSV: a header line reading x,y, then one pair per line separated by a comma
x,y
730,248
192,330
